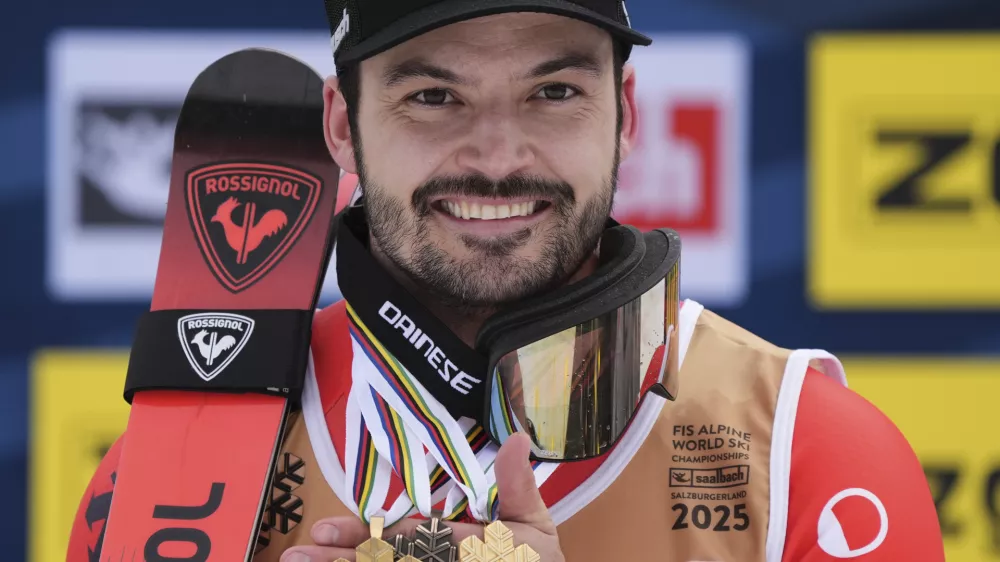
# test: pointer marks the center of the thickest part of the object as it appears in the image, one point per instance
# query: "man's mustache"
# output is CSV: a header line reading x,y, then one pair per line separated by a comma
x,y
560,194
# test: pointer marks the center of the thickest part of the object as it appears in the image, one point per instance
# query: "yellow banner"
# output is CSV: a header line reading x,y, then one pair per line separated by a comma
x,y
947,409
904,162
77,412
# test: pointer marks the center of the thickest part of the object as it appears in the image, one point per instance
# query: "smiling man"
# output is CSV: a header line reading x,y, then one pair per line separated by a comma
x,y
487,183
505,350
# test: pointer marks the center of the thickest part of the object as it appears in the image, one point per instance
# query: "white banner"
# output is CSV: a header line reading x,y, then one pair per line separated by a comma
x,y
114,98
113,102
689,170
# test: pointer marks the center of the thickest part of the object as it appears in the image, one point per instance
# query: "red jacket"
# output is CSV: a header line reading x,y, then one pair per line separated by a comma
x,y
828,477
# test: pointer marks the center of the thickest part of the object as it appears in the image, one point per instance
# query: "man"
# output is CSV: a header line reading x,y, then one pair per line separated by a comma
x,y
487,136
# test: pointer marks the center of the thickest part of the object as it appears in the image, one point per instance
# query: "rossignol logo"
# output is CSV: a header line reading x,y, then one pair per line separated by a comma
x,y
247,216
342,30
449,371
211,340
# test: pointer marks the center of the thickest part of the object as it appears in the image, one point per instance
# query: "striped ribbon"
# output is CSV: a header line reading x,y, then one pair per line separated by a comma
x,y
411,433
394,445
368,482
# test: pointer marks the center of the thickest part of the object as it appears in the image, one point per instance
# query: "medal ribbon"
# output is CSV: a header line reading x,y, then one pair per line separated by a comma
x,y
369,481
406,423
394,444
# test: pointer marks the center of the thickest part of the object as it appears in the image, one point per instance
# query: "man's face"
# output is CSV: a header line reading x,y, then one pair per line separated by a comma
x,y
488,153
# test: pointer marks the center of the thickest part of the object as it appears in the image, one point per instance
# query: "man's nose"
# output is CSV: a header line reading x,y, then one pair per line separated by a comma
x,y
497,147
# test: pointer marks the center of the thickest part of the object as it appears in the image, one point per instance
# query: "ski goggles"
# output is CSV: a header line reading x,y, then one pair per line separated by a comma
x,y
572,367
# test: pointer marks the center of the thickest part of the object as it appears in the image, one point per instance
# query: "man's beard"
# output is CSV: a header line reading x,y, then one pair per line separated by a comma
x,y
493,275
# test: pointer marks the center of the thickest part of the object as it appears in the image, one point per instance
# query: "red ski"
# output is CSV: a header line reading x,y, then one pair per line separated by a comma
x,y
218,362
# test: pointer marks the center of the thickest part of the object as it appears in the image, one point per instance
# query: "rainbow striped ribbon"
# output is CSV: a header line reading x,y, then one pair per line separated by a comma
x,y
435,456
368,481
399,445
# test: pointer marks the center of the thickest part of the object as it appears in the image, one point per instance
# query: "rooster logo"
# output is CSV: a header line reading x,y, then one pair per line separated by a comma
x,y
211,340
247,216
247,237
210,351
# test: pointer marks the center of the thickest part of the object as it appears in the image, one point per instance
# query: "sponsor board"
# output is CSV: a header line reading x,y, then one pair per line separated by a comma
x,y
113,101
114,97
77,412
946,409
943,406
904,193
689,168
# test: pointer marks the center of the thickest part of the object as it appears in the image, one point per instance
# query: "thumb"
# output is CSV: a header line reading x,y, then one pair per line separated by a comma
x,y
520,500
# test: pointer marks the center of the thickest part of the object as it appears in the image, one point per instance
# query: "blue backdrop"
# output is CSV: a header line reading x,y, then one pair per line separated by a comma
x,y
777,307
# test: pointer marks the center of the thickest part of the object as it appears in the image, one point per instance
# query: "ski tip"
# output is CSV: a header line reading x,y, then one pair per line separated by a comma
x,y
253,93
265,75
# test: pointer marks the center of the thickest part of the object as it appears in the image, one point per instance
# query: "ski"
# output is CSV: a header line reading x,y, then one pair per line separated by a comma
x,y
218,362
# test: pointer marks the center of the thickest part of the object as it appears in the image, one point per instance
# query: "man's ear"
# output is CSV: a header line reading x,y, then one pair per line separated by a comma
x,y
630,112
337,128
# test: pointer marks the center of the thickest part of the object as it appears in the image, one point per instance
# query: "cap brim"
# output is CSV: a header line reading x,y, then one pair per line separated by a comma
x,y
445,13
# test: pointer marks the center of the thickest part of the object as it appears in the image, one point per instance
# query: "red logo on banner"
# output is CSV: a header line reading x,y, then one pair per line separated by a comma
x,y
672,177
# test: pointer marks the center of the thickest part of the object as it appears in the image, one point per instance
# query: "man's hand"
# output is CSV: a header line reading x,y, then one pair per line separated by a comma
x,y
521,510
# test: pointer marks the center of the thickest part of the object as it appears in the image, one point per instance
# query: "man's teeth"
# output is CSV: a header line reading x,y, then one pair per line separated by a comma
x,y
466,210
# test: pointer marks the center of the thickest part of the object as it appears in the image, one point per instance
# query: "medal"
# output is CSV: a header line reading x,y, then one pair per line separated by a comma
x,y
498,547
395,426
433,544
374,549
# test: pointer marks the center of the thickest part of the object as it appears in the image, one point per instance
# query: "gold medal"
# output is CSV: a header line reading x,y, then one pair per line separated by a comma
x,y
498,547
433,545
374,549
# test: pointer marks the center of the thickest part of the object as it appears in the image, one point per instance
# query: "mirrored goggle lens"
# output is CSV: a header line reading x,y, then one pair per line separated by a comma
x,y
575,392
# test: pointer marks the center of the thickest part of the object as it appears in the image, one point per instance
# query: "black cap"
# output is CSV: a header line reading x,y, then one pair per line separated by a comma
x,y
364,28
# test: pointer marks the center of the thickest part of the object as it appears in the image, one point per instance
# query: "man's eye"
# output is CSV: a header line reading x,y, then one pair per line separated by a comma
x,y
557,92
433,97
